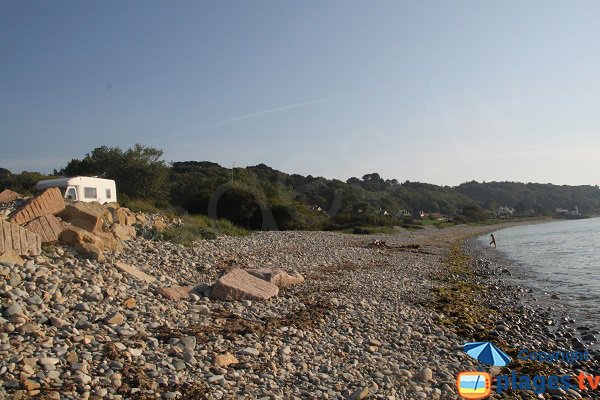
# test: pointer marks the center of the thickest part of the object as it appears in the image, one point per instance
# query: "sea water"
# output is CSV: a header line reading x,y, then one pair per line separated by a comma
x,y
559,259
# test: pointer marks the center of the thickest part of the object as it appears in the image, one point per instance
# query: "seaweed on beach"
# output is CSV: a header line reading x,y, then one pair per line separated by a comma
x,y
464,299
231,326
457,297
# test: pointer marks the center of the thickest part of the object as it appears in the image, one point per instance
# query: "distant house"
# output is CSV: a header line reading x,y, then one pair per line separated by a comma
x,y
316,207
434,215
504,211
403,213
561,211
438,216
383,212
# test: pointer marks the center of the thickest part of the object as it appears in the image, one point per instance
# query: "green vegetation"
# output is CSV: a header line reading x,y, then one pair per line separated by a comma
x,y
537,197
139,205
139,172
259,197
193,228
23,183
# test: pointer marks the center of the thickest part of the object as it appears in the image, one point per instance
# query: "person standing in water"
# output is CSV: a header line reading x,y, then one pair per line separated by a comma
x,y
493,242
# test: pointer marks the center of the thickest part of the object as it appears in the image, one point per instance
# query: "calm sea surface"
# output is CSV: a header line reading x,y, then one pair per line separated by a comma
x,y
560,258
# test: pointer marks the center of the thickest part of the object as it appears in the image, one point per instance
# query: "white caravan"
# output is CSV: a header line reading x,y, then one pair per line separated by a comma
x,y
83,188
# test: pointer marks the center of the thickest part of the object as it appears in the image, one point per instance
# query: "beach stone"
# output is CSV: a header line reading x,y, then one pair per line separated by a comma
x,y
204,309
134,272
238,284
57,322
91,251
50,201
48,361
115,318
189,342
360,394
424,375
8,196
11,258
14,308
175,293
250,351
129,303
31,385
215,378
224,360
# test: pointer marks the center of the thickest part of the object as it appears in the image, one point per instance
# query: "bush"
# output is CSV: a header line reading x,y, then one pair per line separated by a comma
x,y
196,227
138,205
474,213
459,219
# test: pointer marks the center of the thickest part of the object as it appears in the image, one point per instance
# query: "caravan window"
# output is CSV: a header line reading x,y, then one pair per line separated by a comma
x,y
108,193
89,193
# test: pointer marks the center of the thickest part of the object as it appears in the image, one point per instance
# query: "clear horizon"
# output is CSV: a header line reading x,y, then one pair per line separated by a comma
x,y
435,92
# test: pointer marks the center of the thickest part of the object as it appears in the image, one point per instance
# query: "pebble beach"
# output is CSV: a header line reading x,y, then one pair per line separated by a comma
x,y
369,321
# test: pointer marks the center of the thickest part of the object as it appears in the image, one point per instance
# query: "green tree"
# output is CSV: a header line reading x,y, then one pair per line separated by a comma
x,y
138,172
473,213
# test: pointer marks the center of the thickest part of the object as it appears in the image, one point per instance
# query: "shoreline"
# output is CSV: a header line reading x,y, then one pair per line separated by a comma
x,y
519,321
517,274
365,321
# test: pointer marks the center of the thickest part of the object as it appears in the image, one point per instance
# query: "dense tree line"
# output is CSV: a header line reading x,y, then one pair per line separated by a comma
x,y
260,197
542,198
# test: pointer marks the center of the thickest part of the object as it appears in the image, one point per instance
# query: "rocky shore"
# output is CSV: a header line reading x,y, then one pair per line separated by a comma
x,y
370,320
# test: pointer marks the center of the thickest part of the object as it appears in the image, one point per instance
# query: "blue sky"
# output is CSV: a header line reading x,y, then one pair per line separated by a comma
x,y
441,92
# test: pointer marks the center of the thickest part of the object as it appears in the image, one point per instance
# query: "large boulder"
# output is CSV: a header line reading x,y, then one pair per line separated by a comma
x,y
47,227
74,235
48,202
8,196
16,240
277,276
89,216
238,284
110,241
119,214
123,232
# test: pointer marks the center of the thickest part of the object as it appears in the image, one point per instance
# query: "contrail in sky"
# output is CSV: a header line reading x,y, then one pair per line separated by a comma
x,y
247,116
306,103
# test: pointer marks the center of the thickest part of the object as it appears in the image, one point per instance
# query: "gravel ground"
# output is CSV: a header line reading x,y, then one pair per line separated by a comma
x,y
365,323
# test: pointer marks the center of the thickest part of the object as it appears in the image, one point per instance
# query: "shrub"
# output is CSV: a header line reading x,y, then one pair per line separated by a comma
x,y
138,205
196,227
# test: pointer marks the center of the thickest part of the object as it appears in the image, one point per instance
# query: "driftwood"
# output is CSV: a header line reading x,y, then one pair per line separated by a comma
x,y
410,248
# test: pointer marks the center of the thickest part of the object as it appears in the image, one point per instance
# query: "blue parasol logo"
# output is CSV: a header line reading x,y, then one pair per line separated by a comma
x,y
487,353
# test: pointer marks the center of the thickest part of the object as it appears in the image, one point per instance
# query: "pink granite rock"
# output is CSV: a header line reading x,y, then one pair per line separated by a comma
x,y
277,276
238,284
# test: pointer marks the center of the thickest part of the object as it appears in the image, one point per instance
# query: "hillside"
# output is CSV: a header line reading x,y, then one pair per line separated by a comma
x,y
260,197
